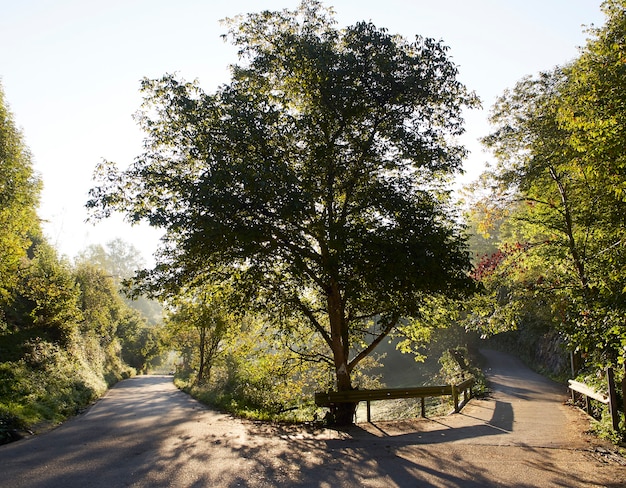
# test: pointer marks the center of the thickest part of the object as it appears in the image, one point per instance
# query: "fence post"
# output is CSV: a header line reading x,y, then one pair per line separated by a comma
x,y
455,397
610,376
423,408
624,392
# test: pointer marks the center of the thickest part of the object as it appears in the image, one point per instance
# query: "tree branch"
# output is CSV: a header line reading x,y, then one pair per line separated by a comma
x,y
365,352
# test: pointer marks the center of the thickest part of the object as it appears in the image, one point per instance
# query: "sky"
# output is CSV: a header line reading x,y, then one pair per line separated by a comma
x,y
70,71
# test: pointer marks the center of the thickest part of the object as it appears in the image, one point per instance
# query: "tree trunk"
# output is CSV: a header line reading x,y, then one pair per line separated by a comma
x,y
202,347
624,393
578,262
344,413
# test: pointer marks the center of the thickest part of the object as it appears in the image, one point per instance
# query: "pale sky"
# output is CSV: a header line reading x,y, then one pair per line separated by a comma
x,y
70,70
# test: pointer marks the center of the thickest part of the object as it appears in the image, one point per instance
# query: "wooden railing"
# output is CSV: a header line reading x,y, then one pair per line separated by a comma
x,y
332,398
589,393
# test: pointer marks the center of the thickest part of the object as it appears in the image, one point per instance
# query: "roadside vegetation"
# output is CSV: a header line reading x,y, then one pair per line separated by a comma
x,y
551,211
66,334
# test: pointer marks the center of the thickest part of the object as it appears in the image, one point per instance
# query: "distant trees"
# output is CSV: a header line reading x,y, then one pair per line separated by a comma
x,y
559,140
120,260
197,324
136,321
314,182
117,257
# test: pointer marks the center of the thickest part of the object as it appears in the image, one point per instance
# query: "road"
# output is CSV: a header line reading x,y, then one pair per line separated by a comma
x,y
145,433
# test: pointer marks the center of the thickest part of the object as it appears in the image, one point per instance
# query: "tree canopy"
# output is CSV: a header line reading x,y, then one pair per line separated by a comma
x,y
315,181
558,138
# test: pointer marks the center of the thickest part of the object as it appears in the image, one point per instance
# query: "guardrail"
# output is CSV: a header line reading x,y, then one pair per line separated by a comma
x,y
587,392
332,398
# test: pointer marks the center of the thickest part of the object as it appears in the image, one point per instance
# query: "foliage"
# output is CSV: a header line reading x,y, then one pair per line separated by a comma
x,y
255,378
120,260
314,181
134,322
559,183
61,346
142,345
60,342
19,197
47,297
118,329
48,384
117,258
10,426
196,325
100,303
417,334
458,364
602,424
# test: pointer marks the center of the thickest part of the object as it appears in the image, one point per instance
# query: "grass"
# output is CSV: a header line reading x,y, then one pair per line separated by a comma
x,y
231,402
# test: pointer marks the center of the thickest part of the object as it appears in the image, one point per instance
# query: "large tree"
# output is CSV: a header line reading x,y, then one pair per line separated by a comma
x,y
314,180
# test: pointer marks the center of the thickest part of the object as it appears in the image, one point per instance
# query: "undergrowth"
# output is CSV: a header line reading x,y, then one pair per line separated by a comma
x,y
48,384
601,421
263,399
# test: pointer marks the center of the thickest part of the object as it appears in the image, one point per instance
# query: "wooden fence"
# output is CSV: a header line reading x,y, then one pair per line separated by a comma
x,y
332,398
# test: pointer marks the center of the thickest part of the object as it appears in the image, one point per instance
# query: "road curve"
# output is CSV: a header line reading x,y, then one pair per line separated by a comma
x,y
145,433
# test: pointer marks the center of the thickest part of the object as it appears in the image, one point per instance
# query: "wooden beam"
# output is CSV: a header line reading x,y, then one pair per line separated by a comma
x,y
587,391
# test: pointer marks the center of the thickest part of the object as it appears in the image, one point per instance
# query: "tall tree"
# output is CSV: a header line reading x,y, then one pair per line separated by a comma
x,y
314,180
19,198
558,138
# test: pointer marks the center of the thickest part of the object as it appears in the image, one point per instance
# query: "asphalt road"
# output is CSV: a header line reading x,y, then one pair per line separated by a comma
x,y
145,433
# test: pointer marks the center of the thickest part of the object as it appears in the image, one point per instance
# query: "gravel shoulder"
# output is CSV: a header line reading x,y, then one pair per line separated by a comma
x,y
145,433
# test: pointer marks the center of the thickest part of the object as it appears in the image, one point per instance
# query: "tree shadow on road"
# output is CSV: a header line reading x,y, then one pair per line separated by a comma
x,y
165,438
360,458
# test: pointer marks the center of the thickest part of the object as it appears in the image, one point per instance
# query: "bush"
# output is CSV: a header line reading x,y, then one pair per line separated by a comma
x,y
457,365
258,389
602,424
47,385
